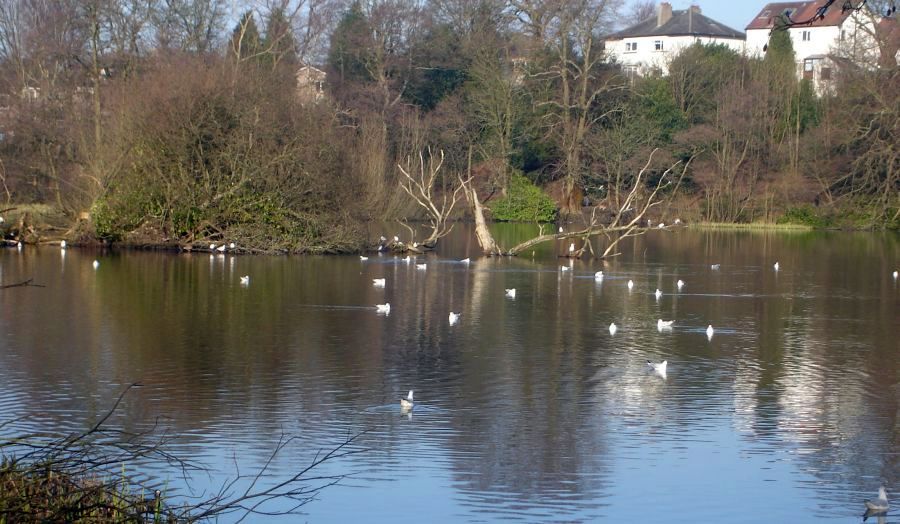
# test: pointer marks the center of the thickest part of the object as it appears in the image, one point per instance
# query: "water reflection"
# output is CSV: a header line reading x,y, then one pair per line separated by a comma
x,y
528,408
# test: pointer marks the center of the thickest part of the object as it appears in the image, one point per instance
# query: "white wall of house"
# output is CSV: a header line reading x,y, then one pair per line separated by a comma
x,y
853,39
645,54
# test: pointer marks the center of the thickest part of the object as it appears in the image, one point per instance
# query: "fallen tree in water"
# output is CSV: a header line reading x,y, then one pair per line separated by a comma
x,y
624,222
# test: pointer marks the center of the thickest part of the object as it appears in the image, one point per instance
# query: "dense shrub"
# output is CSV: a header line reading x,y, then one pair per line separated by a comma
x,y
524,202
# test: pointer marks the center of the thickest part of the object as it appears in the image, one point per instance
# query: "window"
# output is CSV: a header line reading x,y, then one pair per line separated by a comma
x,y
825,73
658,45
806,36
843,34
808,65
630,47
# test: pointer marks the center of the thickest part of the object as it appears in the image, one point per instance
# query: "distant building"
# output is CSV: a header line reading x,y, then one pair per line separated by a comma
x,y
651,44
839,39
310,84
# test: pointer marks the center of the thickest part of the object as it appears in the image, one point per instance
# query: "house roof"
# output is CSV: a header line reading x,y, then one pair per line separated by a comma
x,y
686,22
799,12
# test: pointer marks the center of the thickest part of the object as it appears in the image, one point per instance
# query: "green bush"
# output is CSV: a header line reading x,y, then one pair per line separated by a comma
x,y
524,202
806,215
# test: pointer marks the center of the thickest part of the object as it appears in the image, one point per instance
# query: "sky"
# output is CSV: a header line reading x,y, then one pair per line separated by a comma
x,y
736,14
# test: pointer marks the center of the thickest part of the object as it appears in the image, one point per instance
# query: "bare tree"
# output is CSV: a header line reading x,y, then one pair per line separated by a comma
x,y
640,11
420,182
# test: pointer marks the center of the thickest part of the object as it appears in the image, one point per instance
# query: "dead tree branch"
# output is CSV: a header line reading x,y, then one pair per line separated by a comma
x,y
420,184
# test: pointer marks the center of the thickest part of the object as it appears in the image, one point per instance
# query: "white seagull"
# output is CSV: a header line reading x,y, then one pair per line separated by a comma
x,y
408,259
657,294
661,225
560,229
231,245
710,331
383,308
630,284
511,293
659,367
776,266
664,324
715,267
212,247
572,247
454,318
465,261
62,244
245,280
421,266
19,247
406,404
564,268
680,284
613,328
378,282
598,275
222,248
362,258
879,505
896,273
96,264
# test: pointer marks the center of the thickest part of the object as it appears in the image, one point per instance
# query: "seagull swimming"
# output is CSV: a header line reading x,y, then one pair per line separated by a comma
x,y
598,275
680,284
96,264
362,258
613,328
19,247
630,284
658,293
896,274
879,505
664,324
511,293
709,332
62,244
564,268
406,404
776,266
659,367
454,318
421,266
465,260
378,282
245,280
715,267
383,308
572,247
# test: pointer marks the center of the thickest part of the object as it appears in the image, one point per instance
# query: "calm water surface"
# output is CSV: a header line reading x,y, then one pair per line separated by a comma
x,y
527,409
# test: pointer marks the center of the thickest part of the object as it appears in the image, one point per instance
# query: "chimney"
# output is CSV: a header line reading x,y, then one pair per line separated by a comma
x,y
664,14
695,9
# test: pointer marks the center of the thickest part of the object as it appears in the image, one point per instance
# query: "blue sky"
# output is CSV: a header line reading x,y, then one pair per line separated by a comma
x,y
735,14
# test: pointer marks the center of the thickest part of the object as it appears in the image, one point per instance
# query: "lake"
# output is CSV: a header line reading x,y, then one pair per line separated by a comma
x,y
527,409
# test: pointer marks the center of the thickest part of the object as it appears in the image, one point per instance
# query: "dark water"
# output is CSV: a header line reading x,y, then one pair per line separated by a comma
x,y
527,409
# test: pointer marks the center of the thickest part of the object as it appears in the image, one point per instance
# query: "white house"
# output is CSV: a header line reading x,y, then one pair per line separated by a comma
x,y
650,45
820,44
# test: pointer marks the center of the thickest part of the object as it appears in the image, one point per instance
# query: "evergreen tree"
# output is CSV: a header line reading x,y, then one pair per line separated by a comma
x,y
245,41
348,51
279,42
